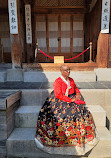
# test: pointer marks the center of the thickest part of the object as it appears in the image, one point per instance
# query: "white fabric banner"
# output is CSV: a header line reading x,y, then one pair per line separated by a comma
x,y
105,19
12,6
28,23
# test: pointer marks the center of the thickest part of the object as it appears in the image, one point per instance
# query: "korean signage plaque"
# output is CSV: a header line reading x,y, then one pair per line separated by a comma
x,y
28,23
12,5
105,19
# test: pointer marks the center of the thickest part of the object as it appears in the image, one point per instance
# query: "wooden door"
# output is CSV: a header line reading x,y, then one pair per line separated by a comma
x,y
53,27
60,35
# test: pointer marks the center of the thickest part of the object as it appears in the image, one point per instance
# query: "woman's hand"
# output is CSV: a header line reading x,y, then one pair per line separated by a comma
x,y
73,99
78,96
77,99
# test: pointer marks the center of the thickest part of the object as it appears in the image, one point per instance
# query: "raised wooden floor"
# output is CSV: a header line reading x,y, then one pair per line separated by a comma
x,y
55,67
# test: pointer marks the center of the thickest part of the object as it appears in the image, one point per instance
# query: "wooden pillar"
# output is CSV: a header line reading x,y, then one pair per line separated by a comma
x,y
0,51
0,48
102,50
109,55
29,49
16,45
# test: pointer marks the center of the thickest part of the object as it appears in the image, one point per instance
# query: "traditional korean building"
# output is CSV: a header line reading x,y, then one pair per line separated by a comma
x,y
60,27
78,29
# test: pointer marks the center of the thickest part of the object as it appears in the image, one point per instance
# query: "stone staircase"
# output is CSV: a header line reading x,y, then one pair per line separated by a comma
x,y
21,141
34,91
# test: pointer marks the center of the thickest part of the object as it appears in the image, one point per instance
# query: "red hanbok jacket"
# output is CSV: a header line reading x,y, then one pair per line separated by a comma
x,y
60,89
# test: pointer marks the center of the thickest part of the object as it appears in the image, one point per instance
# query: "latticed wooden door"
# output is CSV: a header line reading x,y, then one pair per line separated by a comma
x,y
60,35
53,34
40,35
65,33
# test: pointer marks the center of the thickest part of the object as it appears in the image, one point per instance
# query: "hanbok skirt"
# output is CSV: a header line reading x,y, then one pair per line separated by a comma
x,y
65,128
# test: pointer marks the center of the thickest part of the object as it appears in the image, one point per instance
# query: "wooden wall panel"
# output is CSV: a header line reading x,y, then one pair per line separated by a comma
x,y
93,28
5,38
5,32
11,100
102,50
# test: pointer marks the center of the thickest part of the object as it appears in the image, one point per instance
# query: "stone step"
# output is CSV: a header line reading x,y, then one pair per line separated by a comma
x,y
50,76
103,74
2,76
26,116
15,75
91,96
21,144
44,76
34,96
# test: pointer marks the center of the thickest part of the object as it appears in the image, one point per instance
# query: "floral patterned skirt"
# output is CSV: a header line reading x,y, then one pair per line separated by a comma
x,y
65,128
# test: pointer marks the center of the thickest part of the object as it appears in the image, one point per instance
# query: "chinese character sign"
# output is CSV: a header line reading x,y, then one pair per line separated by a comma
x,y
105,16
12,5
28,24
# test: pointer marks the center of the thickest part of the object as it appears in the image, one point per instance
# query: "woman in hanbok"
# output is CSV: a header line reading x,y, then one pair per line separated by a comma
x,y
65,126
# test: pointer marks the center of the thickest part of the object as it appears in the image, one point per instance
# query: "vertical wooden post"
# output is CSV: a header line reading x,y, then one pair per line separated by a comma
x,y
28,45
102,50
16,44
109,51
29,50
0,51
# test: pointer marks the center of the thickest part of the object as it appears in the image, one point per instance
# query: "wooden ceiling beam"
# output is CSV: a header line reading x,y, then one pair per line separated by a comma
x,y
60,11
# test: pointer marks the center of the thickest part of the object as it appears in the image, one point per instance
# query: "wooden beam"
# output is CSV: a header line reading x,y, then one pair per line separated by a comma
x,y
27,1
93,3
109,53
74,7
59,10
0,51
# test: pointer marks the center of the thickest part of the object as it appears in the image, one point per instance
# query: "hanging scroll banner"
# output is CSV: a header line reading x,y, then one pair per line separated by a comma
x,y
28,24
12,6
105,19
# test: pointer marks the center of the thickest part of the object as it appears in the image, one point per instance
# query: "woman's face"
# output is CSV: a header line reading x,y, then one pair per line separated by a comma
x,y
65,71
